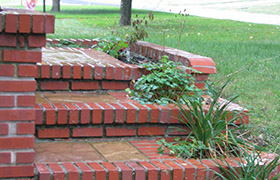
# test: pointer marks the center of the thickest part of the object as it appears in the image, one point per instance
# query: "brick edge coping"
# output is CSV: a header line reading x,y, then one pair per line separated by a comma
x,y
126,118
203,64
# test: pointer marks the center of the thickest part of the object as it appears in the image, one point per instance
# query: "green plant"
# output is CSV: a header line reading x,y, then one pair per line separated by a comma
x,y
111,45
67,43
210,134
166,81
251,167
139,31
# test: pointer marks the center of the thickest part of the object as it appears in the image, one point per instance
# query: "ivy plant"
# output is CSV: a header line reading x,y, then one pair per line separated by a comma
x,y
167,81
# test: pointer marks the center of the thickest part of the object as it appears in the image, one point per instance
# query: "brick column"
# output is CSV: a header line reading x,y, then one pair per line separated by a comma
x,y
22,34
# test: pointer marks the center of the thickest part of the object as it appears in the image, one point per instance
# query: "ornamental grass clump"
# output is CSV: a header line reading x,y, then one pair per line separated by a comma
x,y
211,134
251,166
166,82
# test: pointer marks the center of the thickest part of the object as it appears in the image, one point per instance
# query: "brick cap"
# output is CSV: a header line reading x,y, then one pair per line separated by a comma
x,y
24,21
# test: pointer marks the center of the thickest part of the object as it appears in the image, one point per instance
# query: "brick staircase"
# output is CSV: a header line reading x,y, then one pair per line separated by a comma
x,y
64,113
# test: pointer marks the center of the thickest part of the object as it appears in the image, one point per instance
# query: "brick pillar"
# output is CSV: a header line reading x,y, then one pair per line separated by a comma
x,y
22,34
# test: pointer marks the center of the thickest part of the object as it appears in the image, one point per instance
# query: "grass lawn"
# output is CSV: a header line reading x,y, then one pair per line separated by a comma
x,y
231,44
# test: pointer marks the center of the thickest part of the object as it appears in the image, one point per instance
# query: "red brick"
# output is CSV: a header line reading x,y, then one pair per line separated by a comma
x,y
66,71
175,113
108,113
84,112
58,173
113,171
201,169
73,113
7,70
87,132
98,72
109,72
22,56
206,70
137,72
119,113
18,86
113,85
7,101
49,26
24,23
27,70
4,129
25,157
201,77
44,173
120,132
139,171
96,113
45,71
17,114
16,171
11,23
9,40
189,169
127,73
73,173
53,133
151,131
143,113
61,113
201,61
77,72
154,113
21,40
87,72
25,128
86,171
118,73
164,114
36,41
56,71
165,172
100,172
5,157
177,170
200,85
16,142
91,85
49,114
152,171
38,114
38,24
54,85
125,170
26,101
130,113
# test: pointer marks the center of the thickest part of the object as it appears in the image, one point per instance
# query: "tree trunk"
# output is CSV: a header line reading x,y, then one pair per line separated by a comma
x,y
125,12
56,5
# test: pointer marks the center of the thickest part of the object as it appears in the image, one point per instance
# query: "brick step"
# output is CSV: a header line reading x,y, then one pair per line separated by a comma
x,y
118,165
136,159
112,114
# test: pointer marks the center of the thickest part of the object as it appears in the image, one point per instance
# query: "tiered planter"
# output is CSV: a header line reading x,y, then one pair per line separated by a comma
x,y
77,95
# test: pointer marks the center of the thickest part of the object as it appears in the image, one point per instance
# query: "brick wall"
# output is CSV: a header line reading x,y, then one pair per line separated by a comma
x,y
22,34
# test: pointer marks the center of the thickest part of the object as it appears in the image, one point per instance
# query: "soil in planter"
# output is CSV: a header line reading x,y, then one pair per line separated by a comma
x,y
136,59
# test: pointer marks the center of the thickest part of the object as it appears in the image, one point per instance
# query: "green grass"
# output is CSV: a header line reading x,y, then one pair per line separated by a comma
x,y
231,44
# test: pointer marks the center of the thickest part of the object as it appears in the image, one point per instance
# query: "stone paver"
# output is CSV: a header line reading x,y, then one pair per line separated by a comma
x,y
65,152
